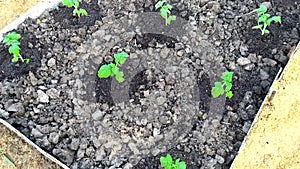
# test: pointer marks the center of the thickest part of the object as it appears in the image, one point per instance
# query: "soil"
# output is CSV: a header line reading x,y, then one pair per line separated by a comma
x,y
164,105
276,130
21,153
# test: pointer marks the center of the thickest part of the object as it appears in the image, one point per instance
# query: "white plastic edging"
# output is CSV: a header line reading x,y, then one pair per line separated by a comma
x,y
50,157
33,13
278,77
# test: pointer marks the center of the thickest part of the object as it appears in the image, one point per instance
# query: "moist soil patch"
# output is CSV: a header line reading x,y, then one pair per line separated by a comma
x,y
164,105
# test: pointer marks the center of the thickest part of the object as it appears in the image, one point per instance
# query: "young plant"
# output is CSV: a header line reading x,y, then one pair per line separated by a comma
x,y
6,159
226,82
165,11
168,163
112,69
75,3
12,40
265,20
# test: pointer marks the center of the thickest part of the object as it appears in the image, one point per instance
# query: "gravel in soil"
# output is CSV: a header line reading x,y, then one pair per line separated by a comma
x,y
164,105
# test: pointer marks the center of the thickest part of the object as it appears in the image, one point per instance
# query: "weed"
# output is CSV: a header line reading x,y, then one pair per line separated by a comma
x,y
112,69
165,11
12,40
168,163
226,82
265,20
75,3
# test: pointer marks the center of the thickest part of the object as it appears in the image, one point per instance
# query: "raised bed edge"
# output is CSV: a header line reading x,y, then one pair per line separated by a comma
x,y
277,78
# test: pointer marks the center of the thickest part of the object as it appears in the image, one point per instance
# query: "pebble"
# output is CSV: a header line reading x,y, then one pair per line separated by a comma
x,y
243,61
51,62
42,97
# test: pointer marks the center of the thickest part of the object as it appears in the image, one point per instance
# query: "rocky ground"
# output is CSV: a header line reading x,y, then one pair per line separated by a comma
x,y
164,106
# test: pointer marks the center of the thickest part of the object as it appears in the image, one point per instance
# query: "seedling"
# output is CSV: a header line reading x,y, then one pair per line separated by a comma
x,y
265,20
75,3
12,40
112,69
165,11
168,163
226,82
6,159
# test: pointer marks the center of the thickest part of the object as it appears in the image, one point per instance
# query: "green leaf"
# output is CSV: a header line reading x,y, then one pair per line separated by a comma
x,y
13,36
228,87
76,4
182,165
169,7
105,71
114,69
15,59
164,13
227,77
276,19
171,18
120,58
68,3
262,9
217,90
229,94
120,76
8,161
160,4
27,61
266,31
166,161
83,12
14,49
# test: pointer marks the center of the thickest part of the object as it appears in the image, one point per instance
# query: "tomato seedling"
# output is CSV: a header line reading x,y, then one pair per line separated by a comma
x,y
12,40
226,82
165,11
168,163
112,69
75,4
265,20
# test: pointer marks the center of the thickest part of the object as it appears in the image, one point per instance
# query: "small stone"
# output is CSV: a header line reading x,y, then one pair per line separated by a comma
x,y
164,53
243,49
52,93
65,155
243,61
161,100
180,53
36,133
74,144
33,79
42,97
75,39
263,74
16,107
4,114
98,115
163,120
269,62
108,59
246,127
51,62
99,34
133,148
249,67
54,138
170,79
220,159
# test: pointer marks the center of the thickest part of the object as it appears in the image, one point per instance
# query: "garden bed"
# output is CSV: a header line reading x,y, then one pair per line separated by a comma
x,y
164,105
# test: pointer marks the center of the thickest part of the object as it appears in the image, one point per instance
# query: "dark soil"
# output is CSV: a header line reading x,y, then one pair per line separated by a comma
x,y
164,106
